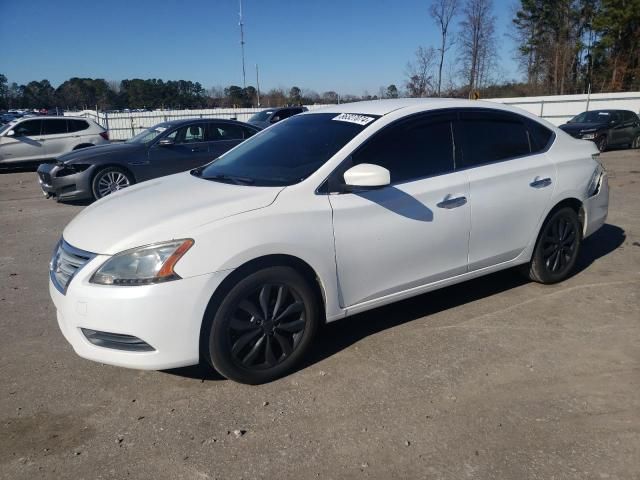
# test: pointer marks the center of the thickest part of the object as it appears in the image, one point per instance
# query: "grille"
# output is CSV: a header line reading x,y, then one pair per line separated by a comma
x,y
65,263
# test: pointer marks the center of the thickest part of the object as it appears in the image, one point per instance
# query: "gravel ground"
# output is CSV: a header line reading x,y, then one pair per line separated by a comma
x,y
494,378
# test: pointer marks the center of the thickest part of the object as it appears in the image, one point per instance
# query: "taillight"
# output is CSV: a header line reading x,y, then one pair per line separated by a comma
x,y
105,135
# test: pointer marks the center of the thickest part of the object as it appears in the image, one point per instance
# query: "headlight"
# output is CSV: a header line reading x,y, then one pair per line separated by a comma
x,y
143,265
588,136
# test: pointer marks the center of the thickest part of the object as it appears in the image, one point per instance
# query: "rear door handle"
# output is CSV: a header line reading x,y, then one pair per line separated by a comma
x,y
540,182
452,202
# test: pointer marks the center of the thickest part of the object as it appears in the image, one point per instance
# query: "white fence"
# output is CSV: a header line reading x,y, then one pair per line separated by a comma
x,y
556,109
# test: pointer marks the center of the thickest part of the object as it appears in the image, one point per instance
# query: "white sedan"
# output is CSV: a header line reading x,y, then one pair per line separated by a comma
x,y
324,215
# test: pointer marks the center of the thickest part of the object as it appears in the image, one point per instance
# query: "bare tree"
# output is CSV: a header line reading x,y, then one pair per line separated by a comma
x,y
477,42
442,12
419,73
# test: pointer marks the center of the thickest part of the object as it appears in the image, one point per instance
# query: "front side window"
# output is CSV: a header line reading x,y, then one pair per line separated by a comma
x,y
491,136
54,127
413,149
286,153
29,128
148,135
189,134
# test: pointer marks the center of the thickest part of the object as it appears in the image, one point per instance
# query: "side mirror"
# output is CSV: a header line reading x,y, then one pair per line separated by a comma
x,y
275,119
367,175
10,133
166,142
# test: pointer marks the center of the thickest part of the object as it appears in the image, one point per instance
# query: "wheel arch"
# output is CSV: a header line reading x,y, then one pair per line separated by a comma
x,y
259,263
101,167
573,203
83,145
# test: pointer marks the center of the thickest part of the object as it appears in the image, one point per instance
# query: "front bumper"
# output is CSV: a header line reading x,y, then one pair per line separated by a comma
x,y
76,186
166,316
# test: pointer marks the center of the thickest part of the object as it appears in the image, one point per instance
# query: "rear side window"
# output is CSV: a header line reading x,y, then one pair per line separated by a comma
x,y
248,132
491,136
413,149
53,127
540,136
223,131
28,129
77,125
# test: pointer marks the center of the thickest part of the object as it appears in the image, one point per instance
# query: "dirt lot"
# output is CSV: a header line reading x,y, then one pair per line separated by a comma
x,y
494,378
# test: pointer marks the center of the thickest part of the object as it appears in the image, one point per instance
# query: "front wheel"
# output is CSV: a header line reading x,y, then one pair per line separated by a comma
x,y
601,143
557,247
636,142
109,180
264,326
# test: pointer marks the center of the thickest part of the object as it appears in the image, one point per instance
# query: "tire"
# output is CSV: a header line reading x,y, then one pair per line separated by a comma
x,y
251,337
602,143
109,180
636,142
557,247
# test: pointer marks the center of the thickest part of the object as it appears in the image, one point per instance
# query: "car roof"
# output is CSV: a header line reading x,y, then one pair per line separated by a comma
x,y
383,107
183,121
51,117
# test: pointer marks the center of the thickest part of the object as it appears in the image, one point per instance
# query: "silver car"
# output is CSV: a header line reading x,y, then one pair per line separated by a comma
x,y
38,139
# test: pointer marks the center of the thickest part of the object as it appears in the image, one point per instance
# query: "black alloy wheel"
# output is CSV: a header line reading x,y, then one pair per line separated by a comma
x,y
557,247
636,142
263,326
601,143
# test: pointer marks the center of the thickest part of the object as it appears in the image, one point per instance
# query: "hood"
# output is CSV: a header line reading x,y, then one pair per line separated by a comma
x,y
580,127
162,209
111,149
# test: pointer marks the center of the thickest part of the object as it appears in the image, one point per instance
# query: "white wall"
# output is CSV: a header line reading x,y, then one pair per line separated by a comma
x,y
556,109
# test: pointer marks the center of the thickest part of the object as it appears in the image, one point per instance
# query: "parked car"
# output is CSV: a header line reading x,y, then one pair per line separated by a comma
x,y
41,139
606,128
328,214
163,149
273,115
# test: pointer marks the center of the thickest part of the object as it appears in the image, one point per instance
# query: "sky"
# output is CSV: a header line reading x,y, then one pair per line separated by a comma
x,y
349,46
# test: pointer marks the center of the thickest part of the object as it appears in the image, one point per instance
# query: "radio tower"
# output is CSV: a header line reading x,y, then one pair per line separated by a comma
x,y
244,75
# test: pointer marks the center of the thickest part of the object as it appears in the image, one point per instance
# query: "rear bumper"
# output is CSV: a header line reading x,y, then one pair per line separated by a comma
x,y
54,183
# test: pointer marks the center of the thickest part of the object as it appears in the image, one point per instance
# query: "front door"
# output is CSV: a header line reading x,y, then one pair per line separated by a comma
x,y
412,232
27,144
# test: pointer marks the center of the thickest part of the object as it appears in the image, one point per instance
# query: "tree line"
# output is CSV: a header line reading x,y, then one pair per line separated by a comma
x,y
562,47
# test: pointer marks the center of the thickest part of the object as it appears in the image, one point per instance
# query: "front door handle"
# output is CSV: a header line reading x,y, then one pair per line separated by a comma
x,y
450,202
540,182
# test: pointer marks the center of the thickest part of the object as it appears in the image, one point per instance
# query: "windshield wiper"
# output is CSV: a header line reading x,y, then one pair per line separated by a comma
x,y
221,177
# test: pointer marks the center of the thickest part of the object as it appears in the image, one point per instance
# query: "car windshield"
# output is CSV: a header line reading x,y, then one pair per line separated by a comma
x,y
595,116
287,152
149,134
261,116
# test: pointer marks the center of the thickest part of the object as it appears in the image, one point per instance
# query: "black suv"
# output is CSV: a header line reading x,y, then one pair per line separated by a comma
x,y
607,128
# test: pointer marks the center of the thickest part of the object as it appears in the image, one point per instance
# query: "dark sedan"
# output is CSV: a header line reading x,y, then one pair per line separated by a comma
x,y
607,128
163,149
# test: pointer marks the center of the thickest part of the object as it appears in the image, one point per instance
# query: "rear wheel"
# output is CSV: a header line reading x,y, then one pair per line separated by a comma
x,y
264,326
109,180
636,142
601,143
557,247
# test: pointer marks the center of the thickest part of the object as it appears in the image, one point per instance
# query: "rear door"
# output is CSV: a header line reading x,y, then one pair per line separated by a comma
x,y
511,181
56,136
188,150
222,137
27,144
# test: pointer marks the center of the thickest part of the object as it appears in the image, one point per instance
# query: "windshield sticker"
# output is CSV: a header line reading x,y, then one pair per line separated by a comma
x,y
354,118
160,129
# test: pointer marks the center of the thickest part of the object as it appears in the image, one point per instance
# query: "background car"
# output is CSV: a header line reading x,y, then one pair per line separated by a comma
x,y
607,128
273,115
163,149
40,139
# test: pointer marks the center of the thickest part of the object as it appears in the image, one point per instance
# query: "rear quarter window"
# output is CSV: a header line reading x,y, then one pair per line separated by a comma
x,y
77,125
541,137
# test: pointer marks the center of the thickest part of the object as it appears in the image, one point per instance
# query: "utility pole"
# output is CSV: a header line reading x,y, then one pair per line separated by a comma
x,y
258,84
244,75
